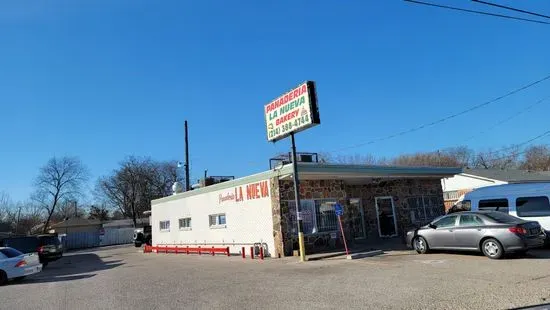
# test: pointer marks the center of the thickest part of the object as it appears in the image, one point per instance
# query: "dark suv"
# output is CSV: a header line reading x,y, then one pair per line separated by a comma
x,y
48,247
143,235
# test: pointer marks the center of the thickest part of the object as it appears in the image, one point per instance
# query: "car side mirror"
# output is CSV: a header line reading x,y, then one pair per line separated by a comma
x,y
432,226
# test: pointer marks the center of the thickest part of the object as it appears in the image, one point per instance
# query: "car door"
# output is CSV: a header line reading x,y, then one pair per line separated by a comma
x,y
441,236
469,232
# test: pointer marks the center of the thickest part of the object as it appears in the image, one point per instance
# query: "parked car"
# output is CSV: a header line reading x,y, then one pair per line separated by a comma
x,y
143,235
491,232
527,201
16,265
48,247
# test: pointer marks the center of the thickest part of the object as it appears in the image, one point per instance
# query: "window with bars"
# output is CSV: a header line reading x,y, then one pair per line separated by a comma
x,y
451,195
217,220
164,225
325,215
317,215
424,209
185,223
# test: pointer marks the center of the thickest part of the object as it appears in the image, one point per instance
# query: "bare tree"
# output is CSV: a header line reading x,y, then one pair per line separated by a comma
x,y
163,174
30,216
357,159
429,159
131,188
68,208
460,154
507,158
537,158
58,180
7,213
99,212
117,215
5,206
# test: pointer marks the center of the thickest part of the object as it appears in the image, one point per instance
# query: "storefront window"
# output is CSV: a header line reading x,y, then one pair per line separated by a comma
x,y
424,209
325,215
308,216
317,215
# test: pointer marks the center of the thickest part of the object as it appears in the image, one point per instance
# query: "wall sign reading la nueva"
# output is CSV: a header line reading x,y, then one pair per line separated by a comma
x,y
292,112
250,191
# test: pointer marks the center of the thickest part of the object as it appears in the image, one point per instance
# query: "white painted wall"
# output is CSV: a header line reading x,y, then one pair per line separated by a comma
x,y
464,181
247,221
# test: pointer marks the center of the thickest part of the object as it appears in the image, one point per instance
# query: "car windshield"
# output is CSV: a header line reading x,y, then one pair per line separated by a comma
x,y
500,217
436,219
10,252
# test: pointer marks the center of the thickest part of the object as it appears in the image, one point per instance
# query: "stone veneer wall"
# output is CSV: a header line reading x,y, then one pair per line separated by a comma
x,y
277,222
399,189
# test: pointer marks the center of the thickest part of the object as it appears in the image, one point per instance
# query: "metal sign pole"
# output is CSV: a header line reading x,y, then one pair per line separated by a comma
x,y
343,236
297,200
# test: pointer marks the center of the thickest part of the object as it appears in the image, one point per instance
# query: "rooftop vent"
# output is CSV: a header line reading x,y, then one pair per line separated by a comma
x,y
284,159
211,180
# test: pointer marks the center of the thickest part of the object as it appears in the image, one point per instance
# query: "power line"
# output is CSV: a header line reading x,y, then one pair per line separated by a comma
x,y
505,156
508,119
444,118
510,8
477,12
522,143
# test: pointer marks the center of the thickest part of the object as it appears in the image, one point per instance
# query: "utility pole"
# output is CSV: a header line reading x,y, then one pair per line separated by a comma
x,y
187,185
301,244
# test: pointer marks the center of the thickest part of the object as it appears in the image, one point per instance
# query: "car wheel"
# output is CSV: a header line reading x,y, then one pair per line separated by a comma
x,y
420,245
3,277
492,248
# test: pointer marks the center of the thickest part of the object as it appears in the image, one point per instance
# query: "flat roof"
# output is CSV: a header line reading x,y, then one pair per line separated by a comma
x,y
316,171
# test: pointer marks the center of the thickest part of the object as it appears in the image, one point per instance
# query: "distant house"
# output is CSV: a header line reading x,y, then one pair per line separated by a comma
x,y
126,223
470,179
74,225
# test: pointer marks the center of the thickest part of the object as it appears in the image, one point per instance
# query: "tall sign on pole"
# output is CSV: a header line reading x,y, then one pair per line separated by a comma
x,y
288,114
339,211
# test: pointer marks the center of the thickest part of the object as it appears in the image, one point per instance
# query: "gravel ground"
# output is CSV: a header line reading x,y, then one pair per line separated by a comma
x,y
125,278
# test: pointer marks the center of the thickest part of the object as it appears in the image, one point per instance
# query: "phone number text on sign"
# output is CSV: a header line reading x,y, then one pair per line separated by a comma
x,y
291,112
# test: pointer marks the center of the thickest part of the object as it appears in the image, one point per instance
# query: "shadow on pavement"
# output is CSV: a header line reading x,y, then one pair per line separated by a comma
x,y
532,254
534,307
45,279
72,267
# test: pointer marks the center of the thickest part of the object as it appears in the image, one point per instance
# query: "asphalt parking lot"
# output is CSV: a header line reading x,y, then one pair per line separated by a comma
x,y
124,278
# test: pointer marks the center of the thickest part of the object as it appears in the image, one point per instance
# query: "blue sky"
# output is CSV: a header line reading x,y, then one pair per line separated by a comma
x,y
106,79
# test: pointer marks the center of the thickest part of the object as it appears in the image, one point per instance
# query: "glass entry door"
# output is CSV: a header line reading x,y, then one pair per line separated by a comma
x,y
356,218
387,224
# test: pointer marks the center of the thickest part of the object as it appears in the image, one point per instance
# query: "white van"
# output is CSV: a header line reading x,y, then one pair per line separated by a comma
x,y
528,201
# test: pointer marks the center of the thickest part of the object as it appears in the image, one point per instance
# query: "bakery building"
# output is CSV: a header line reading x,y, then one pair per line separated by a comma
x,y
379,202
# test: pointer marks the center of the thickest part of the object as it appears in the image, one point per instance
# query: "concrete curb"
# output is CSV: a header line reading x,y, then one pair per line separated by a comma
x,y
365,254
359,254
324,256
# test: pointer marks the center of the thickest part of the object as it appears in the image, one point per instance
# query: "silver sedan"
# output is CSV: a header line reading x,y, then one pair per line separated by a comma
x,y
493,233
